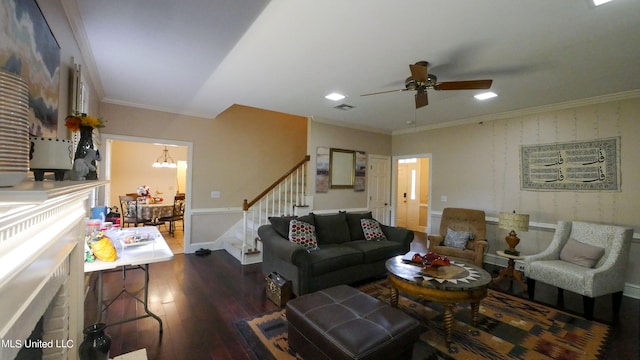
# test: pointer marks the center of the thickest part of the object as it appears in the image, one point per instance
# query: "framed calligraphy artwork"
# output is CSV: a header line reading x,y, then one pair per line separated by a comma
x,y
592,165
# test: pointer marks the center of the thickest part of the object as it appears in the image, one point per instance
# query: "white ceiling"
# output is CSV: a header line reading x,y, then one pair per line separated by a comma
x,y
199,57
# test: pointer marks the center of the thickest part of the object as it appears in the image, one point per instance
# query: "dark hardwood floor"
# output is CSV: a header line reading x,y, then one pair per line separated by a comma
x,y
200,298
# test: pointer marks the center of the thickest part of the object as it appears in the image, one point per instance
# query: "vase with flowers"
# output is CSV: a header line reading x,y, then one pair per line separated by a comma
x,y
84,124
144,194
143,190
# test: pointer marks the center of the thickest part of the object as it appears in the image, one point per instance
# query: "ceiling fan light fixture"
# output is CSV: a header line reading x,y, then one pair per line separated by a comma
x,y
335,96
485,95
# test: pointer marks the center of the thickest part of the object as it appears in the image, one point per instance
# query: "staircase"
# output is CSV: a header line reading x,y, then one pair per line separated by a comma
x,y
282,198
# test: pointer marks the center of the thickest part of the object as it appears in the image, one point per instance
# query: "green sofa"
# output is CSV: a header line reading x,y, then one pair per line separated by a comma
x,y
343,255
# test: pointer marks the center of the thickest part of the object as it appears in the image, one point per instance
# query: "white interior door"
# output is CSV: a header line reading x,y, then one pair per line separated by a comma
x,y
379,188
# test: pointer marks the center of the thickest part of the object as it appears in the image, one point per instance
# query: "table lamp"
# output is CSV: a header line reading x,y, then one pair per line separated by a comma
x,y
513,222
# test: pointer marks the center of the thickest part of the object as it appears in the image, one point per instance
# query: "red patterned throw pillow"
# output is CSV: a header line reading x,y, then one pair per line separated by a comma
x,y
303,234
372,230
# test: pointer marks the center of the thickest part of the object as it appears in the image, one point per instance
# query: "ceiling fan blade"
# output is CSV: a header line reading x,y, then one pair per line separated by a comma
x,y
463,85
421,98
384,92
419,73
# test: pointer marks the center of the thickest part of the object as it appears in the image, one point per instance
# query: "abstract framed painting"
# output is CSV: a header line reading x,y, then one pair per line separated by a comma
x,y
29,49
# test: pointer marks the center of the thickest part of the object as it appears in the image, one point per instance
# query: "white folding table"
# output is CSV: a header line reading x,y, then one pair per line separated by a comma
x,y
131,257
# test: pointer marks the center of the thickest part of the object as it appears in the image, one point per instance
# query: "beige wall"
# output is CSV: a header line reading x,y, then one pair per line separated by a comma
x,y
239,153
322,134
477,166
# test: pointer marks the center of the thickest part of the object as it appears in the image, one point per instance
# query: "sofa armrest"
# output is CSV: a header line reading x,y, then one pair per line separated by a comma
x,y
398,234
552,252
481,247
282,248
434,240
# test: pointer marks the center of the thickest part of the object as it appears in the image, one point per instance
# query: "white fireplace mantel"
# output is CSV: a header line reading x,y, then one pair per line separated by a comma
x,y
41,227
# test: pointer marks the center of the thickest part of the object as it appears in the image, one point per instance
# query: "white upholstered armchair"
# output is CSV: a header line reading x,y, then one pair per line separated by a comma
x,y
585,258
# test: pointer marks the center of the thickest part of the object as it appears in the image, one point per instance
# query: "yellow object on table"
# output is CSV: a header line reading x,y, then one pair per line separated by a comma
x,y
103,249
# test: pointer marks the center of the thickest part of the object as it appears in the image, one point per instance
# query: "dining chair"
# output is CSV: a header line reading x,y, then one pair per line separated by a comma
x,y
177,214
129,210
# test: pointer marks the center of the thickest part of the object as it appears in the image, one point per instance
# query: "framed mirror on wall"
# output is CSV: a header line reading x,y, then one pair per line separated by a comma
x,y
342,168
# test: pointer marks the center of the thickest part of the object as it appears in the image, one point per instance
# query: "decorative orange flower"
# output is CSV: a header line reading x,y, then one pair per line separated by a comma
x,y
74,122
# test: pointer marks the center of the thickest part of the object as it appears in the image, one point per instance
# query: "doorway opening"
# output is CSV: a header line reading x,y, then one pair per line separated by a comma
x,y
412,176
128,164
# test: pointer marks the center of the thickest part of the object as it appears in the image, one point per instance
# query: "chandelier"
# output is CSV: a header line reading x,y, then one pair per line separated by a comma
x,y
165,160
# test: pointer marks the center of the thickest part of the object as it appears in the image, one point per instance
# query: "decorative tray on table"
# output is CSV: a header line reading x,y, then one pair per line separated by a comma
x,y
434,265
136,239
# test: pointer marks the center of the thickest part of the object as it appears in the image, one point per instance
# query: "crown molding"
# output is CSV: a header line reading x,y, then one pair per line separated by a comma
x,y
157,108
631,94
349,125
74,18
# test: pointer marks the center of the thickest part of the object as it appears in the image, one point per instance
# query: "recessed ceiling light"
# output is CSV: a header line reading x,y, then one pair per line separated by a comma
x,y
486,95
600,2
335,96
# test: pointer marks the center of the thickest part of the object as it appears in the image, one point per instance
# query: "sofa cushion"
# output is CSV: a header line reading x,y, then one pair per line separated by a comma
x,y
461,254
582,254
281,224
373,251
355,227
456,239
333,257
332,229
303,234
371,229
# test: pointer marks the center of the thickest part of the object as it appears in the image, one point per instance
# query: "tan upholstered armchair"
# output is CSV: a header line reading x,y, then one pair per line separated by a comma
x,y
584,258
461,221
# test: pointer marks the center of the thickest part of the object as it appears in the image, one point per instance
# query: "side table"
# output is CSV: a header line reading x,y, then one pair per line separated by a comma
x,y
510,271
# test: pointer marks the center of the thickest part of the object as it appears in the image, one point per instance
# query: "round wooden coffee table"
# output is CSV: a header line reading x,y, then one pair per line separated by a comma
x,y
449,285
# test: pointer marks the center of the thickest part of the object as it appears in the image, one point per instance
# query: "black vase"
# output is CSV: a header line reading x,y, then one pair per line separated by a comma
x,y
84,145
96,343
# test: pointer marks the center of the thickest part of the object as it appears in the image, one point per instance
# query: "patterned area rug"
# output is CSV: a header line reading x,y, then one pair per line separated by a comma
x,y
509,328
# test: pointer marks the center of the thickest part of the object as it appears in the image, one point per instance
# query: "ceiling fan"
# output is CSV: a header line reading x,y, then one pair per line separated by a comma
x,y
420,80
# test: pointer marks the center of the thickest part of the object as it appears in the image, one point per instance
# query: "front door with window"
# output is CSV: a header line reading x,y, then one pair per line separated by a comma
x,y
412,194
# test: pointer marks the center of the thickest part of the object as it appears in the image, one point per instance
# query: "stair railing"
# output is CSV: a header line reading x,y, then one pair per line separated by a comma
x,y
279,199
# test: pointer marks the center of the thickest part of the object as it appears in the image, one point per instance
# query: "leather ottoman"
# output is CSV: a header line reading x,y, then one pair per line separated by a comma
x,y
343,323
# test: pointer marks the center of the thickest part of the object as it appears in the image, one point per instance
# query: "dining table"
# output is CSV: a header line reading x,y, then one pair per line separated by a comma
x,y
152,212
